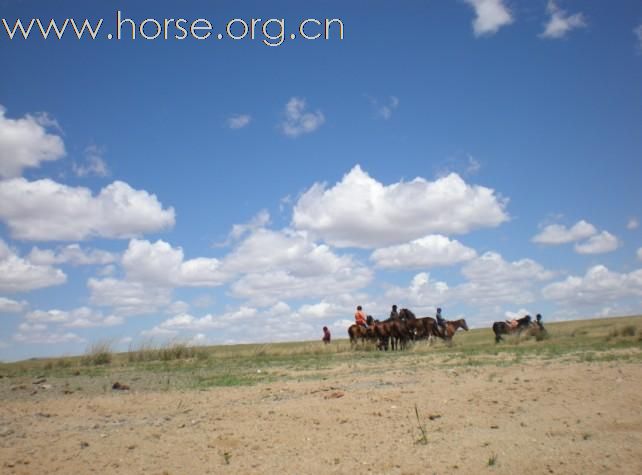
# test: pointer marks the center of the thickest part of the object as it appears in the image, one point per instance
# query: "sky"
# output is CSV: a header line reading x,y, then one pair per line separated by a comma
x,y
482,156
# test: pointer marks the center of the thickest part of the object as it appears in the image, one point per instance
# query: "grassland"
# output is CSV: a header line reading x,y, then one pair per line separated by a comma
x,y
177,366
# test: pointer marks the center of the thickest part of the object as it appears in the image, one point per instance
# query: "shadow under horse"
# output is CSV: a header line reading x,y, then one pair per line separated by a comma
x,y
504,328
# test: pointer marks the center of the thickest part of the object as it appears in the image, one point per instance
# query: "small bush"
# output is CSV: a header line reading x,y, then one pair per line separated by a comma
x,y
629,330
99,353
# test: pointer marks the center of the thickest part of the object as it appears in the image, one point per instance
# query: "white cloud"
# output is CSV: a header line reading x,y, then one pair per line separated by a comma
x,y
25,143
638,32
94,163
491,15
384,110
493,280
260,220
560,234
599,286
177,307
44,210
598,244
561,22
20,275
632,223
43,337
152,271
12,306
83,317
519,314
423,293
429,251
359,211
239,121
72,254
278,265
161,264
297,121
128,298
186,322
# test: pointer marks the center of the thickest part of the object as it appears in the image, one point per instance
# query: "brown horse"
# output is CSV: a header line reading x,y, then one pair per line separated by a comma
x,y
392,331
356,332
452,326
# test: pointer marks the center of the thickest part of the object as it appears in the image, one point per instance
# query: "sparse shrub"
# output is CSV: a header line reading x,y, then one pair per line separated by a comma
x,y
173,350
99,353
542,335
629,330
492,460
423,440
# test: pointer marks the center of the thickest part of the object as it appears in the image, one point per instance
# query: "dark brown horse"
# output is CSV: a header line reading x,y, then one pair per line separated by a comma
x,y
504,328
393,332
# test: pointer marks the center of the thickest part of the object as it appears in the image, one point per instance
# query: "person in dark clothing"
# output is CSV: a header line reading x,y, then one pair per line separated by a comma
x,y
441,323
538,320
394,314
326,335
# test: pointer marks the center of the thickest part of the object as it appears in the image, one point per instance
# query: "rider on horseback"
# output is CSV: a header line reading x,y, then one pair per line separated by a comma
x,y
394,314
441,322
360,317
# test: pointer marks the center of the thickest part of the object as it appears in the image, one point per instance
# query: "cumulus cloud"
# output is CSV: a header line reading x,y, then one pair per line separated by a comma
x,y
128,298
12,306
598,286
26,143
423,293
493,280
94,164
160,263
45,210
20,275
152,271
598,244
559,234
260,220
72,254
362,212
298,121
239,121
561,22
279,265
83,317
490,16
185,323
428,251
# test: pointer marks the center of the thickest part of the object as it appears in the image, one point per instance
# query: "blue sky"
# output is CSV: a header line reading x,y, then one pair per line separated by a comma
x,y
479,155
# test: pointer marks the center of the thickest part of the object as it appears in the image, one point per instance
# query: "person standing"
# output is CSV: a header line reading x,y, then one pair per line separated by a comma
x,y
326,335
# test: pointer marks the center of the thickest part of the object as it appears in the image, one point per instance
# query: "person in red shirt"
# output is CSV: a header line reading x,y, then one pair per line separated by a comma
x,y
326,335
360,317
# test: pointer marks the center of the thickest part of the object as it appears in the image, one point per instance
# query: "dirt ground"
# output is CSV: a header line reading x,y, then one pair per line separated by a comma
x,y
531,417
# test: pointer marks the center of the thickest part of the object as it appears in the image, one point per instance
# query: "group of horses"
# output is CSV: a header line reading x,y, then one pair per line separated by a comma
x,y
396,332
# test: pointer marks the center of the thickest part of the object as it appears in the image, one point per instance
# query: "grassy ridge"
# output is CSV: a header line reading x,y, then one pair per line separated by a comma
x,y
177,366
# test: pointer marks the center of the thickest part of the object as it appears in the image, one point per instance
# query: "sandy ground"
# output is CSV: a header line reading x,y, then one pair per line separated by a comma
x,y
531,417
